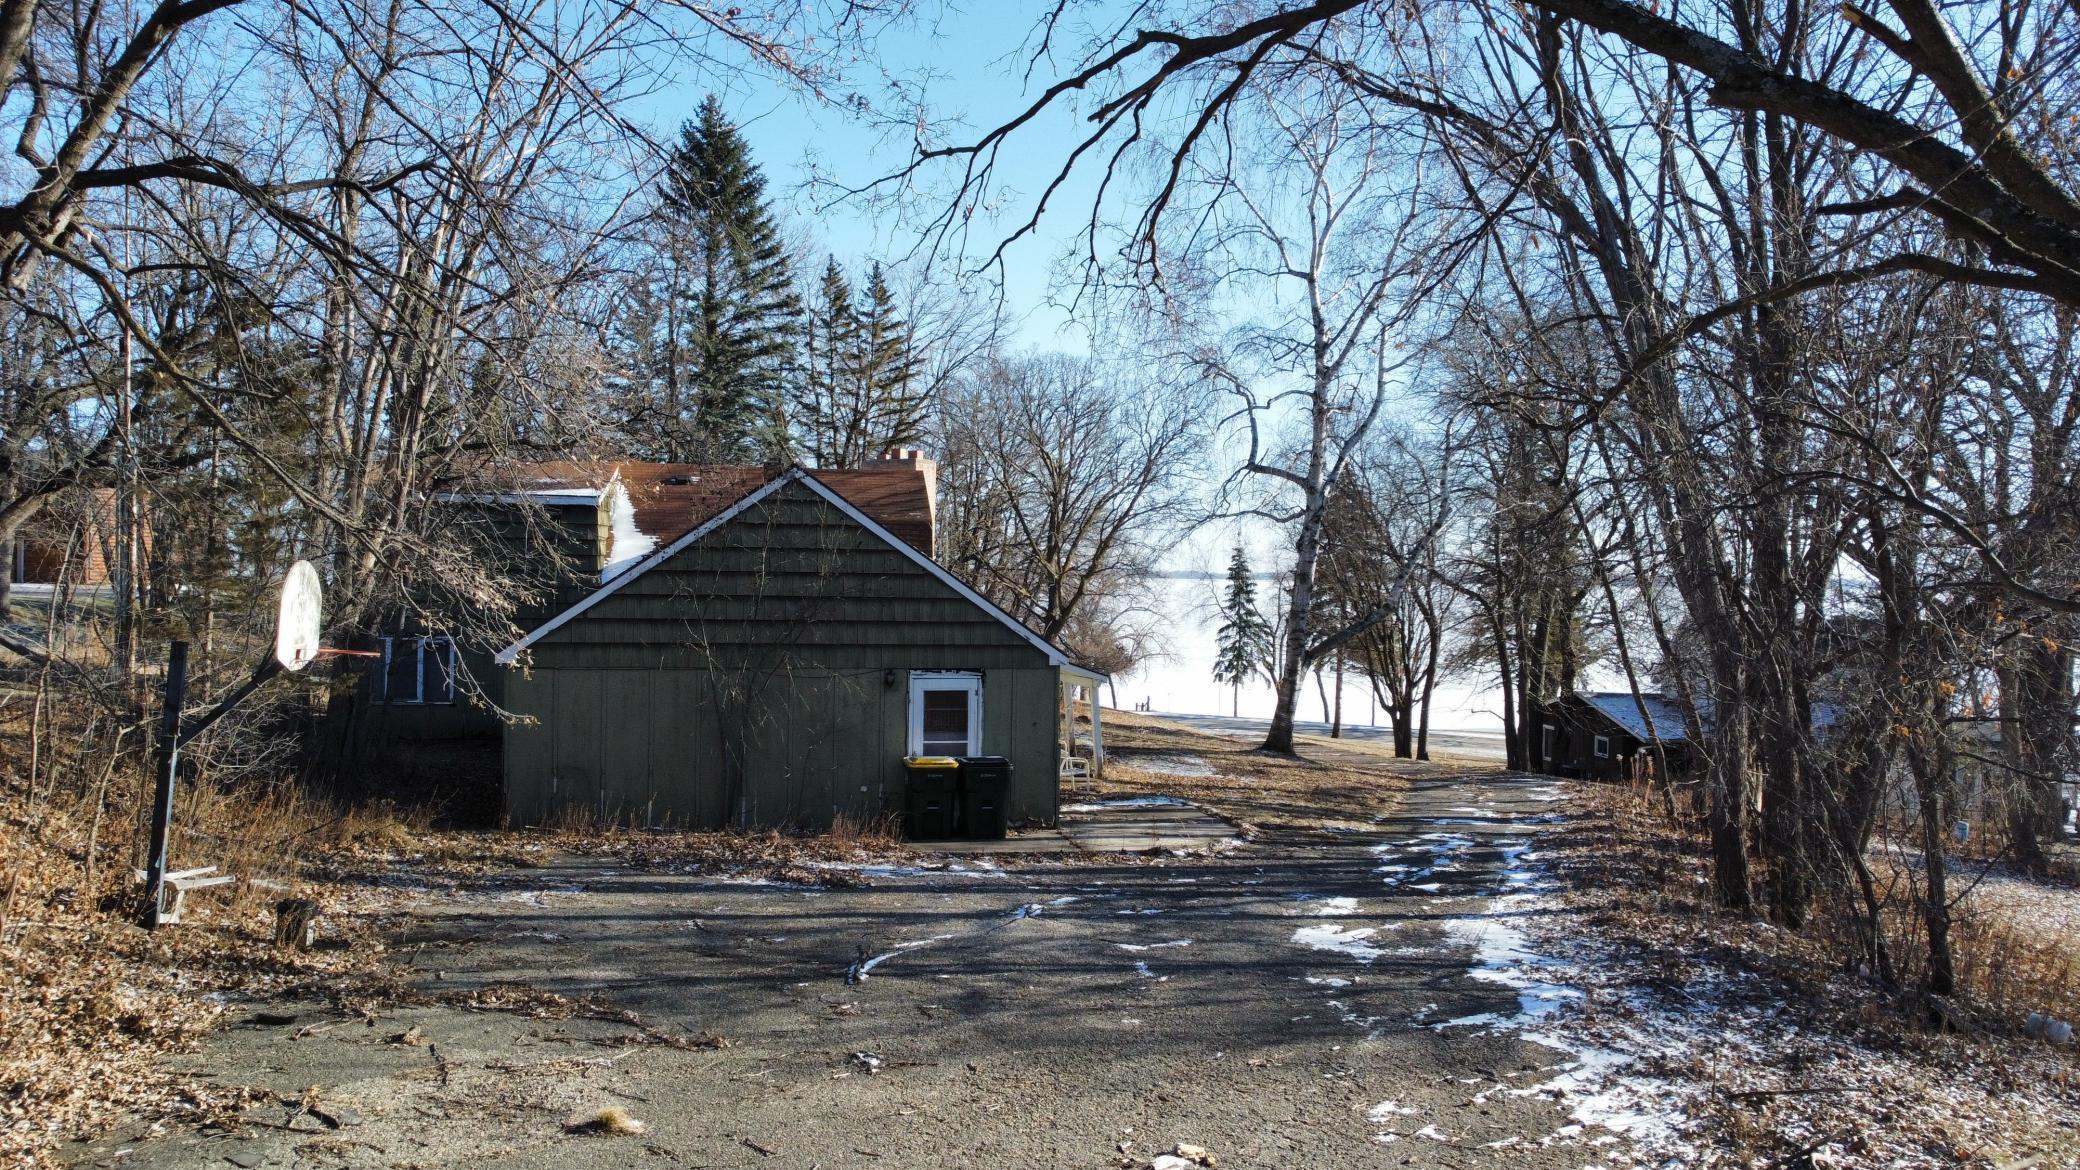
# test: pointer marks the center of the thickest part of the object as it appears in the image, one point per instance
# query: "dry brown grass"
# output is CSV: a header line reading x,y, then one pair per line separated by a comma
x,y
1340,784
880,833
1797,1043
2011,956
612,1121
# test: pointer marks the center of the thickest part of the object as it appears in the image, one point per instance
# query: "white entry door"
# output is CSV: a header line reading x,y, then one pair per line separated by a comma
x,y
945,713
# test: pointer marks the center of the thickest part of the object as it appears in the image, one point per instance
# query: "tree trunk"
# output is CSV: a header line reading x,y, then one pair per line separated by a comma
x,y
1293,655
1513,752
1336,716
1935,889
2037,705
1727,816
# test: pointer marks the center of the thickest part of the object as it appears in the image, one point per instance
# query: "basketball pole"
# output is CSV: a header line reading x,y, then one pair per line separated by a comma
x,y
169,762
173,732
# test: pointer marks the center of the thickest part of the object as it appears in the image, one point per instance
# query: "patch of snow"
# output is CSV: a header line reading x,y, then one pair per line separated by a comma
x,y
1127,802
1444,850
912,945
1139,947
878,871
1348,941
1387,1111
1502,954
1327,981
1166,763
626,544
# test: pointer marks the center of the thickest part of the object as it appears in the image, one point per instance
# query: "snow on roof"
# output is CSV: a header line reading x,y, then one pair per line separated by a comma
x,y
1623,709
627,544
546,497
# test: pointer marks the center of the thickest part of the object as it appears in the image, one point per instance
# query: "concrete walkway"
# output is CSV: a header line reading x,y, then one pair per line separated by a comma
x,y
1128,826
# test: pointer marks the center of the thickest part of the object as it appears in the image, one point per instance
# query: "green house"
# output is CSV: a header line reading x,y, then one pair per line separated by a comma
x,y
773,666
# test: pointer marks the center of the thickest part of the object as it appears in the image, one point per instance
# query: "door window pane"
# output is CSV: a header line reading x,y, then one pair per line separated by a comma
x,y
945,723
401,670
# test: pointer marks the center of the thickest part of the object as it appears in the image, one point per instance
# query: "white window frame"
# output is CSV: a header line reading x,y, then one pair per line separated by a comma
x,y
417,644
1603,747
1547,740
946,680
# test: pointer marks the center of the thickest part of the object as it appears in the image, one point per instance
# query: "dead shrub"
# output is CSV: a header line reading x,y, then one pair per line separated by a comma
x,y
875,832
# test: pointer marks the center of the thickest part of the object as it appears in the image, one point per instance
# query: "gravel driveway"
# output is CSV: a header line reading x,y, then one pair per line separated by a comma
x,y
1278,1004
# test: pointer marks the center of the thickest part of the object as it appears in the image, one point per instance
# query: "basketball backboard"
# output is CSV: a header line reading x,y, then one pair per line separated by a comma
x,y
296,624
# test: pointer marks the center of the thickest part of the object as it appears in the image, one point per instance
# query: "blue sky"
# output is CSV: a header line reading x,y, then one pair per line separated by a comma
x,y
970,62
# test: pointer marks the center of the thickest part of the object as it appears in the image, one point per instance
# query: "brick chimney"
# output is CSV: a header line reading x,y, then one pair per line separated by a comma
x,y
914,459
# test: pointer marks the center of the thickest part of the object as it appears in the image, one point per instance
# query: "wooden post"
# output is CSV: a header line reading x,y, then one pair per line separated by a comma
x,y
1097,735
168,761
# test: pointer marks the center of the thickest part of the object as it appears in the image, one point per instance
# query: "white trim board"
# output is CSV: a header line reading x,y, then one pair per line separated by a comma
x,y
1055,657
967,682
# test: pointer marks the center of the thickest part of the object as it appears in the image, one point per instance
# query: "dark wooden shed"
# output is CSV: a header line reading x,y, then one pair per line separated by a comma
x,y
1606,735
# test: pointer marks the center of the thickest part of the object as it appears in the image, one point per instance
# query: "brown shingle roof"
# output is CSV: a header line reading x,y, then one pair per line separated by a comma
x,y
672,499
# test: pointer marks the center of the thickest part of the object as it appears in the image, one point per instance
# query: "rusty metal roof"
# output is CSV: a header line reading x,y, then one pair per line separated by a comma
x,y
673,499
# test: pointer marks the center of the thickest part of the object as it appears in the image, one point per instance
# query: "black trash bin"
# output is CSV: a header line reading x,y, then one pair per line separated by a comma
x,y
931,800
985,789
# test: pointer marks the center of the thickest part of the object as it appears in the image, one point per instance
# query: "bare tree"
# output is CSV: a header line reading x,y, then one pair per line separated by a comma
x,y
1063,480
1384,547
1313,222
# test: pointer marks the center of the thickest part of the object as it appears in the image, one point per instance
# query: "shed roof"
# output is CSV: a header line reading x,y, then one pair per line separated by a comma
x,y
1623,709
673,499
821,485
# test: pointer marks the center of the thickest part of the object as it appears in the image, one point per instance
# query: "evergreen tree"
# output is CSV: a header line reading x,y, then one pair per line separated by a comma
x,y
830,341
893,407
858,393
1244,639
732,322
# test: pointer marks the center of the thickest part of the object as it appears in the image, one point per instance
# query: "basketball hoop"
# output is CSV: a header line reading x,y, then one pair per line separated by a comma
x,y
296,621
295,647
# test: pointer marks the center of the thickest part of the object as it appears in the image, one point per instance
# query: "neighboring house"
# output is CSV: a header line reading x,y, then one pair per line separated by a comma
x,y
1606,735
70,540
737,646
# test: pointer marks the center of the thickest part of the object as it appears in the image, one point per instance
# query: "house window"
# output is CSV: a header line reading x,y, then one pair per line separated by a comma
x,y
1547,744
945,713
417,670
1603,747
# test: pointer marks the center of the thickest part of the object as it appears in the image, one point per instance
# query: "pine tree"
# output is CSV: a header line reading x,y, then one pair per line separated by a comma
x,y
894,410
1244,639
735,311
858,394
830,342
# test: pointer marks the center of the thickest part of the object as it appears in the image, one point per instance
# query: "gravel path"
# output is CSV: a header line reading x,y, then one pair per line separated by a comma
x,y
1285,1004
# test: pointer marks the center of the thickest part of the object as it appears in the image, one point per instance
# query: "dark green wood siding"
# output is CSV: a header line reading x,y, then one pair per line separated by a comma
x,y
761,677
